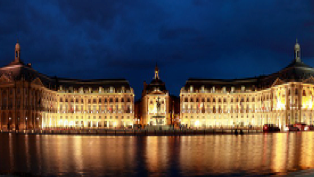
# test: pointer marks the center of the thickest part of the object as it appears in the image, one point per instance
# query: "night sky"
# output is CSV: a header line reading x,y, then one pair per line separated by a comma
x,y
100,39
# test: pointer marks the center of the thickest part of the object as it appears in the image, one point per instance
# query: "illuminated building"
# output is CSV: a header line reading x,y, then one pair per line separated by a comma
x,y
156,105
281,98
30,100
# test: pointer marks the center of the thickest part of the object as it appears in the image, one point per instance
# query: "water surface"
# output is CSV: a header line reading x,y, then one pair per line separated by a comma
x,y
217,155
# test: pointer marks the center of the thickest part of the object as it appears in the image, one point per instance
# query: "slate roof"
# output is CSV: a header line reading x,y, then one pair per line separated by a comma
x,y
18,71
296,71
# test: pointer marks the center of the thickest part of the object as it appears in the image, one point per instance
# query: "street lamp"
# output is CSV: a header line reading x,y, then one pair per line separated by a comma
x,y
9,123
17,125
26,123
38,121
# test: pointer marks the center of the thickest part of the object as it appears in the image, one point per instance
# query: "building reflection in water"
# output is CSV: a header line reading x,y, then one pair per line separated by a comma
x,y
156,155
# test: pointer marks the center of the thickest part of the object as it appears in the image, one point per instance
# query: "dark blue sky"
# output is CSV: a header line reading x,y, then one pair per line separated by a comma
x,y
99,39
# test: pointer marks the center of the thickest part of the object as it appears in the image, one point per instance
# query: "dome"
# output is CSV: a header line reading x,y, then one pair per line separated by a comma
x,y
156,84
297,46
17,46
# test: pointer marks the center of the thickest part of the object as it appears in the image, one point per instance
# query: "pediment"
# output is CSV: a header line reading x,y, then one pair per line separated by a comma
x,y
156,92
277,82
37,81
5,78
309,80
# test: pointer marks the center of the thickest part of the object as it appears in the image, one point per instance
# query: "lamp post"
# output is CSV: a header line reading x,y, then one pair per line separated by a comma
x,y
38,121
26,123
9,123
158,109
17,124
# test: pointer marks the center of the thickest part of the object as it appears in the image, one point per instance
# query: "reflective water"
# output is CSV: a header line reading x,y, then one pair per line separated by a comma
x,y
218,155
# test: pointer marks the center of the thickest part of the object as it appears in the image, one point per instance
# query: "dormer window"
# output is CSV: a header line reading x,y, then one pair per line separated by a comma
x,y
202,88
111,89
242,88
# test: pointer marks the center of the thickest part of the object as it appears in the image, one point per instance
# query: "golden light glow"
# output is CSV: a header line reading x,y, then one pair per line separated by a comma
x,y
281,99
307,101
197,123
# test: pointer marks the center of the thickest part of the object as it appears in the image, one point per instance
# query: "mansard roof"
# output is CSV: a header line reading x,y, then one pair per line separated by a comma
x,y
296,71
219,83
156,84
93,83
18,71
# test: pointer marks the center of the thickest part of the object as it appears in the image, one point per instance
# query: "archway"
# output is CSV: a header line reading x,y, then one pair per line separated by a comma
x,y
3,121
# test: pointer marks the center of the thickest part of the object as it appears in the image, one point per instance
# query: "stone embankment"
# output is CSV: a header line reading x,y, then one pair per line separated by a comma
x,y
137,132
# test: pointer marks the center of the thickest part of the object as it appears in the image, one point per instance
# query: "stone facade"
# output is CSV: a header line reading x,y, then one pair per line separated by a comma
x,y
155,104
282,98
31,100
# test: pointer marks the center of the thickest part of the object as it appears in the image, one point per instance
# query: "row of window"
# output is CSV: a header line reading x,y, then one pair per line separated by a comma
x,y
95,117
224,111
219,100
99,100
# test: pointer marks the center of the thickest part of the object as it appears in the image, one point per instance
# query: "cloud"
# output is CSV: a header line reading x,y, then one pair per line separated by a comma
x,y
189,38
